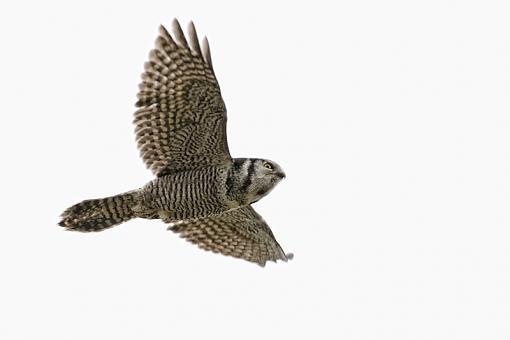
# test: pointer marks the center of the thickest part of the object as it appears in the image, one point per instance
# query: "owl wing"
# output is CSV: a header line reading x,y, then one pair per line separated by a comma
x,y
181,120
240,233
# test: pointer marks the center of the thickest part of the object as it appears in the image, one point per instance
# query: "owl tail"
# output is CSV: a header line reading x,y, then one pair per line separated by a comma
x,y
99,214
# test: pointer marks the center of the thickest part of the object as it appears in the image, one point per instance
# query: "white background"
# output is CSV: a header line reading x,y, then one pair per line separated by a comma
x,y
390,118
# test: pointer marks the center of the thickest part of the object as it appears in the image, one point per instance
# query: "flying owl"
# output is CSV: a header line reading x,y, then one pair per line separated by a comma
x,y
203,193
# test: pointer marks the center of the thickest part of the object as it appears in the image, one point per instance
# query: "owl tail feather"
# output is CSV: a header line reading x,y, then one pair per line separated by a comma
x,y
99,214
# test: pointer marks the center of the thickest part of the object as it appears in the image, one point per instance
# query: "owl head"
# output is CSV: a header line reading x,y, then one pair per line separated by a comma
x,y
262,175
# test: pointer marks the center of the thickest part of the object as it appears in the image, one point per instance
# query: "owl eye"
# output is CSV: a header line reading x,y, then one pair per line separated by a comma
x,y
268,166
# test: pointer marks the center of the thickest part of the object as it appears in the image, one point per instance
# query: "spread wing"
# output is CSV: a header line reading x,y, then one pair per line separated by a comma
x,y
181,123
240,233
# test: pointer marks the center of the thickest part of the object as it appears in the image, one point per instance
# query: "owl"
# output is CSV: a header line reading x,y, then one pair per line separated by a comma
x,y
199,190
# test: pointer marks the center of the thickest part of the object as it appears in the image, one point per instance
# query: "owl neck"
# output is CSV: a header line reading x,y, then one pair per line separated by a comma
x,y
239,181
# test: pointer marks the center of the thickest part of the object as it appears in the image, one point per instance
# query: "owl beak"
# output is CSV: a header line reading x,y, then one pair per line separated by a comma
x,y
280,174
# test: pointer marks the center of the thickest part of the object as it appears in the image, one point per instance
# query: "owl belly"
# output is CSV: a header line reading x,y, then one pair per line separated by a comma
x,y
187,194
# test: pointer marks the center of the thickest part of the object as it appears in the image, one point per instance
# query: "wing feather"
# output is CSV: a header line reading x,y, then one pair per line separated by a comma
x,y
181,120
240,233
195,45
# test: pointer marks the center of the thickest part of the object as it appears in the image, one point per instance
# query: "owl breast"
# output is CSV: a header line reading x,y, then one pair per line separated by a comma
x,y
188,194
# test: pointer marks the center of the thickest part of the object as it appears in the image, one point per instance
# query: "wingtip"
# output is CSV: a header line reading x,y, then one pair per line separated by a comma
x,y
178,37
163,31
193,39
178,34
205,42
206,51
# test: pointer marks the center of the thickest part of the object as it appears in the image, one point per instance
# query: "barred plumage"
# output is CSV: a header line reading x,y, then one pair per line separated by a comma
x,y
239,233
187,194
99,214
180,128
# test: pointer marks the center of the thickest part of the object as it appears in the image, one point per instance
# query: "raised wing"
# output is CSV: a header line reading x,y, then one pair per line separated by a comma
x,y
240,233
181,123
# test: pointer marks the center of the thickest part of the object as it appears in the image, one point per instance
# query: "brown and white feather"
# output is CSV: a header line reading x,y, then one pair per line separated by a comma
x,y
181,123
240,233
